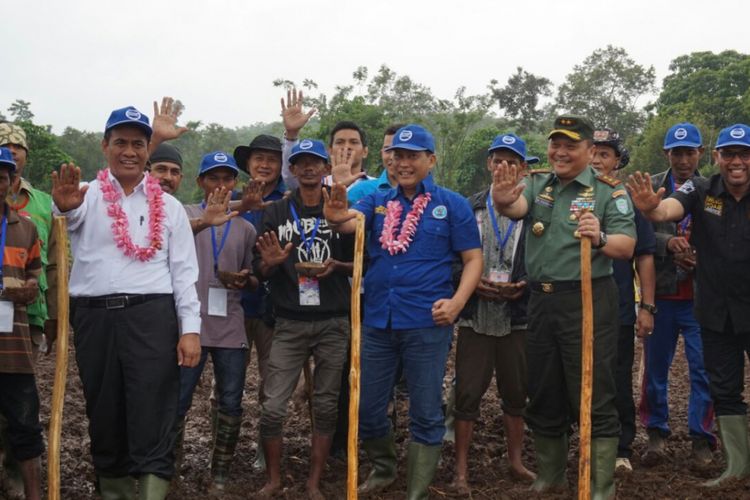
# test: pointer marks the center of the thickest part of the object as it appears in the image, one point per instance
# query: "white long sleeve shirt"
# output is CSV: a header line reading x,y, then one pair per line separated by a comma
x,y
100,268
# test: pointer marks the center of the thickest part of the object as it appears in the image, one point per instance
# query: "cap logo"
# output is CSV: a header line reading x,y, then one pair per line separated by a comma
x,y
737,133
509,139
680,134
220,157
405,135
306,144
133,114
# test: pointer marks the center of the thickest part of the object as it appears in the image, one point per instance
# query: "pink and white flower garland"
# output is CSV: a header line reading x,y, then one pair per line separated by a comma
x,y
120,226
388,239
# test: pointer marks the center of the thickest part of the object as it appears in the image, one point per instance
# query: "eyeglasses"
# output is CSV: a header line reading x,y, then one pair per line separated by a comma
x,y
743,154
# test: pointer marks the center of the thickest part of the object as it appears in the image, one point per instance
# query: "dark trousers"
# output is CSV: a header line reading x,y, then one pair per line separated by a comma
x,y
19,404
127,361
624,382
724,356
553,355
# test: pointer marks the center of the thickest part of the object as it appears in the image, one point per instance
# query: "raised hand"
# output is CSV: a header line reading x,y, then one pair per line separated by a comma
x,y
506,184
270,249
67,192
252,197
642,192
341,167
217,208
336,205
165,121
292,115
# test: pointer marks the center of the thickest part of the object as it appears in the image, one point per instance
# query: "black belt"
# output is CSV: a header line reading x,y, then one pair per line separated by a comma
x,y
117,301
562,286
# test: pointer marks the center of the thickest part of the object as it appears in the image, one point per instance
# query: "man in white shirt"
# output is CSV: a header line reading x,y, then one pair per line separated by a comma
x,y
132,285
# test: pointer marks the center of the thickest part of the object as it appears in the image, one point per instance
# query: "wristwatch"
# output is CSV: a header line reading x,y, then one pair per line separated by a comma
x,y
602,240
648,307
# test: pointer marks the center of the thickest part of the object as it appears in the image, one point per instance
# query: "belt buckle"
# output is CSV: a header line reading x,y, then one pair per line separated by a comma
x,y
547,288
115,302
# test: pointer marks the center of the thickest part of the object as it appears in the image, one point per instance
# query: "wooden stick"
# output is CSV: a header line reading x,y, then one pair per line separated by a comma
x,y
354,371
587,364
61,361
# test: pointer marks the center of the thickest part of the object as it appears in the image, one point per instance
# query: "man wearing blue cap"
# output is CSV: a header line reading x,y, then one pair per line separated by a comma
x,y
225,256
492,328
416,231
20,268
720,227
308,267
134,308
675,263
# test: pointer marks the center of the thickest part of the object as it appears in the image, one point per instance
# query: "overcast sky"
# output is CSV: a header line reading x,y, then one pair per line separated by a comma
x,y
76,60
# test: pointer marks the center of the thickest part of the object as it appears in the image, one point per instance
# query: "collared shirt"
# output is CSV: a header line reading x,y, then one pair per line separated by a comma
x,y
236,254
555,253
721,236
359,190
100,268
402,288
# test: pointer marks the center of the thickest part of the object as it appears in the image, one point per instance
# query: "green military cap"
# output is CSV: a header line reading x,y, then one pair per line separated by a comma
x,y
10,133
574,127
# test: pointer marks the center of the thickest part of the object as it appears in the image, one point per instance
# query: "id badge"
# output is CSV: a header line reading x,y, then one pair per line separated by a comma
x,y
309,291
217,302
6,316
499,275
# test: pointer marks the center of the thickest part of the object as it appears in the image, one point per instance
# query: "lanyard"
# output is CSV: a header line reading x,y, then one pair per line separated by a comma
x,y
217,250
307,242
2,244
502,240
684,223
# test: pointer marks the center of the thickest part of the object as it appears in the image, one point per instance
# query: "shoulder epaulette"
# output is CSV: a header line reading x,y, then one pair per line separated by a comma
x,y
609,181
540,171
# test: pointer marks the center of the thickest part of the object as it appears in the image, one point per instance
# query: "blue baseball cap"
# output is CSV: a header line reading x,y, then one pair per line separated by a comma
x,y
6,159
414,138
128,116
218,159
513,143
309,147
683,135
736,135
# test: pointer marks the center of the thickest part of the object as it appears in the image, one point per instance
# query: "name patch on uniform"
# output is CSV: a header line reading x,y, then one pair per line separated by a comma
x,y
622,205
380,209
545,200
440,212
713,205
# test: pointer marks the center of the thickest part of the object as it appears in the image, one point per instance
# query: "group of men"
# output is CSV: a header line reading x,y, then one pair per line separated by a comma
x,y
156,287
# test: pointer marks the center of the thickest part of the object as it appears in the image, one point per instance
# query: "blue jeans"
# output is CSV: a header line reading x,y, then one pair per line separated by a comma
x,y
423,354
675,317
229,370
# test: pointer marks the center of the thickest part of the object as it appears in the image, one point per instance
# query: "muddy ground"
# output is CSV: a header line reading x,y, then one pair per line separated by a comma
x,y
489,476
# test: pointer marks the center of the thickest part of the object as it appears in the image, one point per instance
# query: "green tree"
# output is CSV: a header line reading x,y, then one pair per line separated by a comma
x,y
85,150
45,154
520,98
20,110
606,88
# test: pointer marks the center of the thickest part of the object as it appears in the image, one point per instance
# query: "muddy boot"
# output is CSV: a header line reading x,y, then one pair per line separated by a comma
x,y
151,487
551,460
422,462
117,488
31,471
734,441
382,454
657,448
603,456
701,453
227,434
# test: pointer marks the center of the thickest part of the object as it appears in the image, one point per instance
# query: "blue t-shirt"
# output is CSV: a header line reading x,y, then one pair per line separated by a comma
x,y
403,287
623,272
253,301
363,188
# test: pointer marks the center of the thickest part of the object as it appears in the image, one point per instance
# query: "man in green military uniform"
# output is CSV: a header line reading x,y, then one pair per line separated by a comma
x,y
560,207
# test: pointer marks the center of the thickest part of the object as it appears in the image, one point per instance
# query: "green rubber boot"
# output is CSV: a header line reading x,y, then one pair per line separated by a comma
x,y
603,457
117,488
422,462
382,454
227,435
551,461
151,487
734,441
